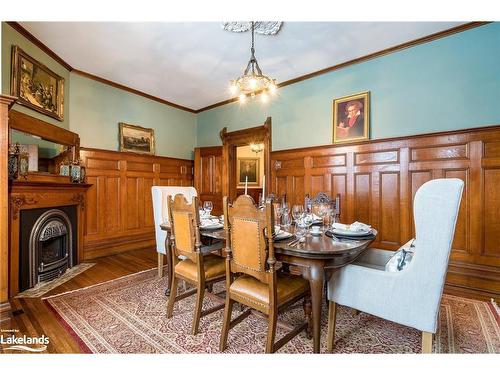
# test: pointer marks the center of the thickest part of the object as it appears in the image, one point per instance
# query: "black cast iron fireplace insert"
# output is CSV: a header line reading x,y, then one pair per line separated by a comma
x,y
47,244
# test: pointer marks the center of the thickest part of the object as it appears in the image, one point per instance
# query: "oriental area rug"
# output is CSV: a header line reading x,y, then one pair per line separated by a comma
x,y
127,315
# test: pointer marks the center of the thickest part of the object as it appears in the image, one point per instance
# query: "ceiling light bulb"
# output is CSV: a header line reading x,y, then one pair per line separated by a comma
x,y
243,98
264,97
253,83
272,88
233,88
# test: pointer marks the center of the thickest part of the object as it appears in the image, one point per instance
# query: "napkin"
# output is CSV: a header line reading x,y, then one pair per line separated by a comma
x,y
209,222
354,227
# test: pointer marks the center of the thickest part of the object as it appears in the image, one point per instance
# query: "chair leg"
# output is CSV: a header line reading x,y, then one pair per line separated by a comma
x,y
197,310
426,342
160,265
226,323
332,317
271,331
171,298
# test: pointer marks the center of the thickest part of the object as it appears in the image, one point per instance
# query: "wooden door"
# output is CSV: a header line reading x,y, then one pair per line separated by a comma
x,y
208,175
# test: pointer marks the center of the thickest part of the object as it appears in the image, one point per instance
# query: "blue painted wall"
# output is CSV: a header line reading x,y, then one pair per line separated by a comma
x,y
450,83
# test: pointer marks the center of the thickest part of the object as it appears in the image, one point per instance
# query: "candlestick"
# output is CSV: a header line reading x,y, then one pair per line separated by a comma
x,y
264,188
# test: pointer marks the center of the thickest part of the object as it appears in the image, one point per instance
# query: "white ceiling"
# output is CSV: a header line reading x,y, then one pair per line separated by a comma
x,y
191,64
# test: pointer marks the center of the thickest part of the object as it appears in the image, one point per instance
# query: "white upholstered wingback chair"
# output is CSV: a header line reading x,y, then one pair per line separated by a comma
x,y
411,296
160,212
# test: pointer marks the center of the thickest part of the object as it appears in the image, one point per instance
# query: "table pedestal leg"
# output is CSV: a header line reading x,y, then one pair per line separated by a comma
x,y
316,276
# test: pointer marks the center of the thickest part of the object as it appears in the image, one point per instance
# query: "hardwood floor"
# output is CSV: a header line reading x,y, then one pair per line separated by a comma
x,y
33,319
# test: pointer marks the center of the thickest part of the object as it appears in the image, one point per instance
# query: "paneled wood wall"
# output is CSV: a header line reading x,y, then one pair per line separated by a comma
x,y
119,213
377,181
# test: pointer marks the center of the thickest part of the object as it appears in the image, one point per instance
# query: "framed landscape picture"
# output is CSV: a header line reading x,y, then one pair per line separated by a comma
x,y
36,86
137,139
248,168
351,118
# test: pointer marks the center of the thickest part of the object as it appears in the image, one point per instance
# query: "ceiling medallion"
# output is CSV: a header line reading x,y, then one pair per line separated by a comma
x,y
253,81
261,27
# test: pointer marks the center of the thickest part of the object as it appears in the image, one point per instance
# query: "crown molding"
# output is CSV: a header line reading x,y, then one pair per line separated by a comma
x,y
131,90
399,47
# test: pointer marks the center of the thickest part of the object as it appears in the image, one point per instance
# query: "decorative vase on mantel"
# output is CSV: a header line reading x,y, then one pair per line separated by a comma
x,y
18,163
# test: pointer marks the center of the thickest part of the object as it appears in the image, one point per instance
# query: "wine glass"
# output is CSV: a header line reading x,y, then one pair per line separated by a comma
x,y
207,207
285,207
321,210
278,211
297,211
307,220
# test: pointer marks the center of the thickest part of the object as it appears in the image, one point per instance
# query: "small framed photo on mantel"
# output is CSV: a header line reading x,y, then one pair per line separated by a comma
x,y
351,118
136,139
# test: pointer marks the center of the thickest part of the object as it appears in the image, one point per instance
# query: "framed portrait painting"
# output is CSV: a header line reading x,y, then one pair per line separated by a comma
x,y
351,118
137,139
36,86
248,168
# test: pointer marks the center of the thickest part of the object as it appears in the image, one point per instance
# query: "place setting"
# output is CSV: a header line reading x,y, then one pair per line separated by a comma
x,y
208,221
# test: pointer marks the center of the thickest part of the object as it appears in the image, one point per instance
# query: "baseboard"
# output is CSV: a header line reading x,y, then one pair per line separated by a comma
x,y
115,245
473,281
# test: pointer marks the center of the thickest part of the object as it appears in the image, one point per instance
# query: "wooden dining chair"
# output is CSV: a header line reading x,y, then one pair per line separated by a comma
x,y
251,275
199,266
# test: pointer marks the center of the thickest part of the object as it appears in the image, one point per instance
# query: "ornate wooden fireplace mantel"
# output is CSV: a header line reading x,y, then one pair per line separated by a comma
x,y
25,195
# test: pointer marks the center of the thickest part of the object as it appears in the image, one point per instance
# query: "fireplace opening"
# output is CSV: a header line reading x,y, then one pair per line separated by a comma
x,y
48,244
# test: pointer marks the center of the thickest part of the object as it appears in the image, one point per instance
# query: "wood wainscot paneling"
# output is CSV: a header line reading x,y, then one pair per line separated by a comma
x,y
377,181
119,215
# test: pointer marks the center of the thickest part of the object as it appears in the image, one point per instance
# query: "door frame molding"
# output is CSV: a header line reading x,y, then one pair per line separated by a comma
x,y
231,140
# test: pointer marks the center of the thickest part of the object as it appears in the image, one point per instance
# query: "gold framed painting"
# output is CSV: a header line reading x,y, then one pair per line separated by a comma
x,y
248,168
36,86
137,139
351,118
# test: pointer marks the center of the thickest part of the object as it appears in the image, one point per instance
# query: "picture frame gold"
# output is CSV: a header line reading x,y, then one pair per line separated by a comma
x,y
36,86
136,139
251,166
351,118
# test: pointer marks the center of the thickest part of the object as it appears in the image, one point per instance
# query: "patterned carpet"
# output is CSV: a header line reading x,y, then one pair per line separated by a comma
x,y
127,315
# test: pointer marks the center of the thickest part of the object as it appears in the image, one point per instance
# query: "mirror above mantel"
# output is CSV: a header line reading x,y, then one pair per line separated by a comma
x,y
47,145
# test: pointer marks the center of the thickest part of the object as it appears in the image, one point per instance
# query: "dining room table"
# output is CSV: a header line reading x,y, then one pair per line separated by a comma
x,y
315,256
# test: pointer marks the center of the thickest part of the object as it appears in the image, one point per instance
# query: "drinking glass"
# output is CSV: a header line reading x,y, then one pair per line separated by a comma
x,y
321,210
278,211
285,207
297,211
208,206
307,220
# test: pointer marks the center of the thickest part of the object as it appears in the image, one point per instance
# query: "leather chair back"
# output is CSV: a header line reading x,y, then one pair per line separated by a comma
x,y
160,209
185,223
246,228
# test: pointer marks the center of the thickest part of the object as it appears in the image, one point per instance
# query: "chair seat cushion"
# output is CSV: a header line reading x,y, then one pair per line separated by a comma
x,y
215,266
250,289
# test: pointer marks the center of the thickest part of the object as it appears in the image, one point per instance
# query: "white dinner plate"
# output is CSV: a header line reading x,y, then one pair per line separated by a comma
x,y
282,235
212,226
351,232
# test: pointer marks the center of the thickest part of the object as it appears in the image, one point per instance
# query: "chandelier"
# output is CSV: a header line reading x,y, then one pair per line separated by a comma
x,y
253,81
